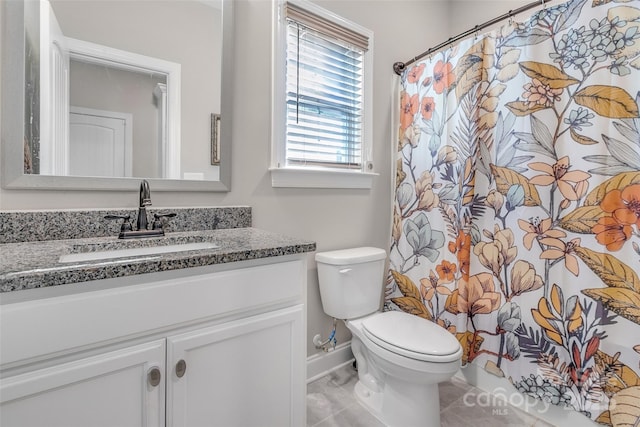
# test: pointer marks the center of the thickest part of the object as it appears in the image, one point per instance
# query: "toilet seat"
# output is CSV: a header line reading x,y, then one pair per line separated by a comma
x,y
411,336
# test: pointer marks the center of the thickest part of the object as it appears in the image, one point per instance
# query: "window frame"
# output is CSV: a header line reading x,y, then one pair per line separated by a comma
x,y
283,175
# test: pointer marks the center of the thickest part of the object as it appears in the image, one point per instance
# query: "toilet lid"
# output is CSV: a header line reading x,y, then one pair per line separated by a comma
x,y
412,336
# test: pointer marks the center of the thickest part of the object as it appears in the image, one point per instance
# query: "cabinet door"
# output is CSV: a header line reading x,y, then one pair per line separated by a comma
x,y
244,373
111,389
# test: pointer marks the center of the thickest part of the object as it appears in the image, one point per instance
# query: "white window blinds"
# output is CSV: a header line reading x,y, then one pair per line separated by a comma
x,y
324,85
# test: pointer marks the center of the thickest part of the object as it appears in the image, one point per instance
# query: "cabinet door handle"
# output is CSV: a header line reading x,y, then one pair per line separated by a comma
x,y
181,368
154,376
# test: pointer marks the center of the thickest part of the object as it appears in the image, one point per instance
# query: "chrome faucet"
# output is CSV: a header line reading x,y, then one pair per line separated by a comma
x,y
142,223
145,200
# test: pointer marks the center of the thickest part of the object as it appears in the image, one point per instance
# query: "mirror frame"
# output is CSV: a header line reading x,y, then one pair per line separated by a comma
x,y
12,118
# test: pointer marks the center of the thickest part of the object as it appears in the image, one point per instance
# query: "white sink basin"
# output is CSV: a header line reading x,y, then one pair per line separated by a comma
x,y
133,252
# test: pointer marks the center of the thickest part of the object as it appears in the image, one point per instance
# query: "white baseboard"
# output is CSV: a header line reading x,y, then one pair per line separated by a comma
x,y
502,389
322,363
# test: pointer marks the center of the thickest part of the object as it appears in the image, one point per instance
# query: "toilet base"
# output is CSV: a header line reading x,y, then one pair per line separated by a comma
x,y
401,404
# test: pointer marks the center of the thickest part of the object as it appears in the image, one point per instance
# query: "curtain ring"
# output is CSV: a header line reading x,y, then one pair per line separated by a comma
x,y
544,4
475,37
511,17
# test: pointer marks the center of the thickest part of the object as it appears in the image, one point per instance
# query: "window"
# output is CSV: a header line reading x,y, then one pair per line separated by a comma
x,y
322,74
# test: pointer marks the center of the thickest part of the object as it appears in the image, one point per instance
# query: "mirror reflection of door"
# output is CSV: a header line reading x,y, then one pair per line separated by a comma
x,y
54,93
100,143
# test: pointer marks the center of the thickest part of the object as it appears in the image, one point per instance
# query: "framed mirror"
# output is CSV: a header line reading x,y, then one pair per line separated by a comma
x,y
98,95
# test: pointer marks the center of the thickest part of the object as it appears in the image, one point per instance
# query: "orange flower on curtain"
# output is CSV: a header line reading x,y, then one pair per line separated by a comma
x,y
623,205
479,296
409,108
443,76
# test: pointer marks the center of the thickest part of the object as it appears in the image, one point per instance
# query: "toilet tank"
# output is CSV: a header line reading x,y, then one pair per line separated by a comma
x,y
351,281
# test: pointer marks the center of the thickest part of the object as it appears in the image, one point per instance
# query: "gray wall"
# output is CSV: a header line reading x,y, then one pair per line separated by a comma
x,y
333,218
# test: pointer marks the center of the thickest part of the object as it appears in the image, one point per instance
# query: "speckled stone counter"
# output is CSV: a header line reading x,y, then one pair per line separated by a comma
x,y
28,226
31,243
36,264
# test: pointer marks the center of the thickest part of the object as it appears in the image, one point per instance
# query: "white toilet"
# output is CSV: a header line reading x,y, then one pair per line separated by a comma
x,y
401,358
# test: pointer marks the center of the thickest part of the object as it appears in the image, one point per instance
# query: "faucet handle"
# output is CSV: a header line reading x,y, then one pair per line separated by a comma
x,y
126,221
157,222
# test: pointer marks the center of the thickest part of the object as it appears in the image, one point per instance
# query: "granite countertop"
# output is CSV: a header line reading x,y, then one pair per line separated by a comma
x,y
36,264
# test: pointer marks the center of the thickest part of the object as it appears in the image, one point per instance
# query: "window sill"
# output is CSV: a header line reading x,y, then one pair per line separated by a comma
x,y
320,178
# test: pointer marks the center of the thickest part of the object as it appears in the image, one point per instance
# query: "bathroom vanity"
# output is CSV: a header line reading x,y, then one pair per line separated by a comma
x,y
212,336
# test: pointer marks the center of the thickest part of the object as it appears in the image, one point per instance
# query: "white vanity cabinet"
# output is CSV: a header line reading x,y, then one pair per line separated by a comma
x,y
106,390
238,374
210,346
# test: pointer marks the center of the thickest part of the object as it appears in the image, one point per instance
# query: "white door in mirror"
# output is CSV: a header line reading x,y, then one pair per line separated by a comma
x,y
100,143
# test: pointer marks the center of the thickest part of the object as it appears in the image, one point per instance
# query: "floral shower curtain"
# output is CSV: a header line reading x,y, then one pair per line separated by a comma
x,y
516,219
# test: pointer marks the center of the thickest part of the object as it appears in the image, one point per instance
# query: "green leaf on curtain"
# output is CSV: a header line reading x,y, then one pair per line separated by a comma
x,y
505,178
527,142
428,127
449,194
624,302
611,170
528,37
630,129
582,139
622,152
412,306
507,154
483,161
583,219
618,182
607,101
610,270
519,160
522,108
547,74
569,17
542,134
506,150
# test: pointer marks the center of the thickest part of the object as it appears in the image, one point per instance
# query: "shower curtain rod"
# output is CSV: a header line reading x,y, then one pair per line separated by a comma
x,y
399,67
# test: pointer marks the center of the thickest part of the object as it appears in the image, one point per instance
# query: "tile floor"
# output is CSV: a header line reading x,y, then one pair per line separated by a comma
x,y
331,403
